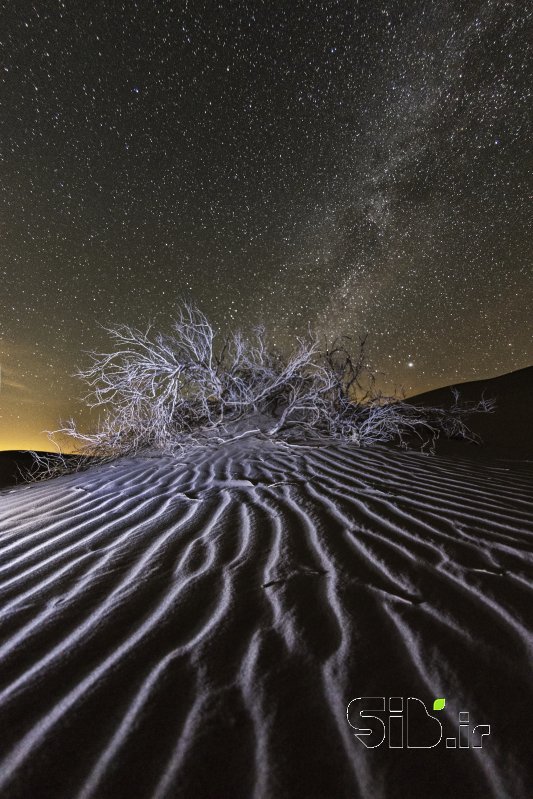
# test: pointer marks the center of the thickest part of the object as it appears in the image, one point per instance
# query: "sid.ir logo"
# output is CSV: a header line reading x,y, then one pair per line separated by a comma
x,y
408,724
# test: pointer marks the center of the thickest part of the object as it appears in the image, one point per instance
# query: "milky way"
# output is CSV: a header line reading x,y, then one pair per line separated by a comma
x,y
359,167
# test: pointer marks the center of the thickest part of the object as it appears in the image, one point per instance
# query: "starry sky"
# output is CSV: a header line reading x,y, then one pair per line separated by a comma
x,y
360,166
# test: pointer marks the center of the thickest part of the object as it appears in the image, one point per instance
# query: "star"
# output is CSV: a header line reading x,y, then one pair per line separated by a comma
x,y
379,192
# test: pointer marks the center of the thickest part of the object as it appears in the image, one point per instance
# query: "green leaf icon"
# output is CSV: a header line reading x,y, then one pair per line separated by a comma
x,y
438,704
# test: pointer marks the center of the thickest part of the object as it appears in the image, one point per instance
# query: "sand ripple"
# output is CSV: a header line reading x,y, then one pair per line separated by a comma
x,y
197,628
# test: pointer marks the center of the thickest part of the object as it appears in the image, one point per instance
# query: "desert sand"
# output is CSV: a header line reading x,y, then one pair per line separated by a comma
x,y
196,627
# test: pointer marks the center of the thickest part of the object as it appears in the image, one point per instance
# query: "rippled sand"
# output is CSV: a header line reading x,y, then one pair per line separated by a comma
x,y
197,628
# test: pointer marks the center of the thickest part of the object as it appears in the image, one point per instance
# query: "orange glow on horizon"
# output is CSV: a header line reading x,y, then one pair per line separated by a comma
x,y
35,442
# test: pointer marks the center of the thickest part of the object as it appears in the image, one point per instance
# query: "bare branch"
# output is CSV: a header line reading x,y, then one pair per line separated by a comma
x,y
169,392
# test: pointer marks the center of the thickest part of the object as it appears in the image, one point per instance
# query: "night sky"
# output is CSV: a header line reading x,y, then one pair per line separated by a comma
x,y
360,166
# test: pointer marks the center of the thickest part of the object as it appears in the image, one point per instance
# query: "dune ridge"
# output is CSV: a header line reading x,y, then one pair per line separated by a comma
x,y
197,627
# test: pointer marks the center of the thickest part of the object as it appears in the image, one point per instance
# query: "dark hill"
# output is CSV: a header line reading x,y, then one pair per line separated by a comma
x,y
14,463
506,433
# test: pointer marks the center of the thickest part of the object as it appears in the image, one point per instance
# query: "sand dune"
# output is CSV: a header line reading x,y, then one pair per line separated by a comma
x,y
13,463
506,433
198,628
17,464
